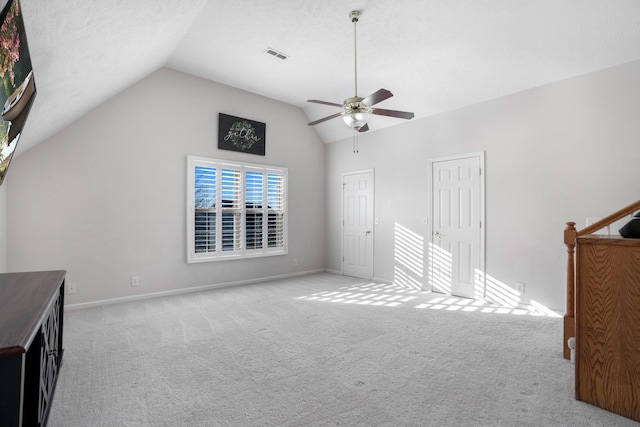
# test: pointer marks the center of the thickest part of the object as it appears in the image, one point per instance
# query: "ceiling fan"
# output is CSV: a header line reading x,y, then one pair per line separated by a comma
x,y
356,110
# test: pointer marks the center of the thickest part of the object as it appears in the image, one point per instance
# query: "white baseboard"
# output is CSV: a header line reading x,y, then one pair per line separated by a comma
x,y
375,279
188,290
382,280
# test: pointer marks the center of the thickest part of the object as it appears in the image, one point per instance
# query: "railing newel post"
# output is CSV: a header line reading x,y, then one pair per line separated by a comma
x,y
570,235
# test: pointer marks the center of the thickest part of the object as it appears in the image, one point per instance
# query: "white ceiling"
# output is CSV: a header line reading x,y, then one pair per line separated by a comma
x,y
434,55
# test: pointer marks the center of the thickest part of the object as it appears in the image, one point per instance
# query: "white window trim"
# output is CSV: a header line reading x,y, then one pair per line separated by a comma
x,y
242,253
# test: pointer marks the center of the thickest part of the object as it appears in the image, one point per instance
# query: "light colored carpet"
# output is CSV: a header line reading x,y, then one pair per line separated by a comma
x,y
318,350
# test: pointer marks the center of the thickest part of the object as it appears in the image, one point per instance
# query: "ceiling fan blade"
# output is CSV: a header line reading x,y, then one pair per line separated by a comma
x,y
315,101
378,96
364,128
324,119
393,113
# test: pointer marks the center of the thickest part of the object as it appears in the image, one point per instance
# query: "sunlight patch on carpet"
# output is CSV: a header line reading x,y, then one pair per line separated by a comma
x,y
397,295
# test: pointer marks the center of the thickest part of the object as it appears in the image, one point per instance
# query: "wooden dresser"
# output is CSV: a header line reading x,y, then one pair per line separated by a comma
x,y
31,317
608,324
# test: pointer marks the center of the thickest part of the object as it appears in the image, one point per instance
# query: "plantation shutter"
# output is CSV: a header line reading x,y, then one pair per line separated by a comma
x,y
276,210
205,209
235,210
231,196
254,205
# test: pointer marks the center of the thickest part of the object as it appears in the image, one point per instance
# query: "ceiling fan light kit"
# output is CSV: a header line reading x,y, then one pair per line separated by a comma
x,y
356,113
356,110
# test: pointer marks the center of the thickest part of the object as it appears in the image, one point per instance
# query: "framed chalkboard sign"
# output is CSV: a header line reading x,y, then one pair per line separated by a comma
x,y
238,134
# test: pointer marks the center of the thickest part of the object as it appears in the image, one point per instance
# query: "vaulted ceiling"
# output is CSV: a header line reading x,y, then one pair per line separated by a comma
x,y
434,55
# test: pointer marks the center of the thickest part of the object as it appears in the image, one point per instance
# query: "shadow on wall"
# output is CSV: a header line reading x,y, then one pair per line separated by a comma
x,y
409,261
408,258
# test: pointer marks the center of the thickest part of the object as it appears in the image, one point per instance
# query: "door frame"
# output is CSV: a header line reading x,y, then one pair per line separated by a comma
x,y
373,235
481,156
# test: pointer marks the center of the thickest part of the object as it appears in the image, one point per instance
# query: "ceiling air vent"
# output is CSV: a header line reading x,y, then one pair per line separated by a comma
x,y
277,54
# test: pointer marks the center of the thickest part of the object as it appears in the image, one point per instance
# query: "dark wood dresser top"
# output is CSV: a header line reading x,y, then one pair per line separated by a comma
x,y
25,299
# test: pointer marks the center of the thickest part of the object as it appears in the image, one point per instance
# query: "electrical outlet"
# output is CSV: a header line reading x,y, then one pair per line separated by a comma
x,y
295,262
520,287
135,280
72,287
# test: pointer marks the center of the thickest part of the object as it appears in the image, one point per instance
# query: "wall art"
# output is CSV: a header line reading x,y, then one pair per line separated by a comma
x,y
238,134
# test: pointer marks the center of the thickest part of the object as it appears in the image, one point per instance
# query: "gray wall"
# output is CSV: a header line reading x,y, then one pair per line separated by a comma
x,y
105,198
557,153
3,228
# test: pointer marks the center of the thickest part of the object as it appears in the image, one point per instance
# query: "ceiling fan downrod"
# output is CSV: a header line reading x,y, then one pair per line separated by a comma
x,y
355,17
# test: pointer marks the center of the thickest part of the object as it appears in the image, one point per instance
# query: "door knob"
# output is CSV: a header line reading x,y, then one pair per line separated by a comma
x,y
437,234
367,232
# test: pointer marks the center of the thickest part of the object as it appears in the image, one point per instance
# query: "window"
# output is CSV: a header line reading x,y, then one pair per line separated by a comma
x,y
235,210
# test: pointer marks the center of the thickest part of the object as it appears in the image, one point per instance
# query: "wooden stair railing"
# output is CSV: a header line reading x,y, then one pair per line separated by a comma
x,y
570,235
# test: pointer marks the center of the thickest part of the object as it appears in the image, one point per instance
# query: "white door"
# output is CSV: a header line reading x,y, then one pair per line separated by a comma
x,y
357,218
456,249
